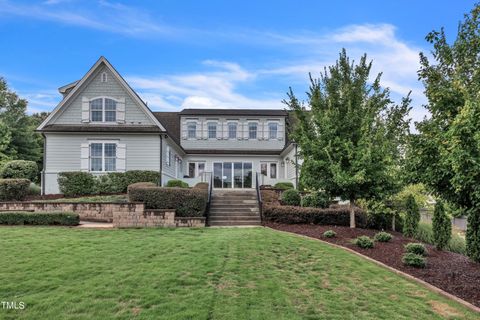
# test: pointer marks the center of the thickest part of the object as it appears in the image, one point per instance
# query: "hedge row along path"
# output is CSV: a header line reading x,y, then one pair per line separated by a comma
x,y
451,272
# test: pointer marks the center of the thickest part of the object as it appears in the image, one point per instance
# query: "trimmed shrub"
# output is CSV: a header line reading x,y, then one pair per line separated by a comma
x,y
380,215
383,237
416,248
34,190
442,227
19,169
284,185
270,197
340,215
473,234
414,260
76,183
134,176
13,189
412,217
112,182
201,186
291,197
186,202
364,242
176,184
39,218
316,199
141,185
329,234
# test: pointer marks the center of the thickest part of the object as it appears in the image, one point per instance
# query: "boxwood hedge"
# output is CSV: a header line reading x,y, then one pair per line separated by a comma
x,y
186,202
339,215
39,218
14,189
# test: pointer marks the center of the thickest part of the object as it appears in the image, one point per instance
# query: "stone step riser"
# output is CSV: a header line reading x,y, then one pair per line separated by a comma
x,y
223,218
233,224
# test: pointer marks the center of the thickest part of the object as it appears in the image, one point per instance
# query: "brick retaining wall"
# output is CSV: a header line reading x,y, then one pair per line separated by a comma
x,y
122,215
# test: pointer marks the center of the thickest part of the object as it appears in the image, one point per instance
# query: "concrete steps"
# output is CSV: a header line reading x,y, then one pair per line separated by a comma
x,y
234,208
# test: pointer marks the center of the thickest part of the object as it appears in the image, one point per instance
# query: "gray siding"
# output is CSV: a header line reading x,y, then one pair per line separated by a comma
x,y
223,143
72,113
63,153
172,171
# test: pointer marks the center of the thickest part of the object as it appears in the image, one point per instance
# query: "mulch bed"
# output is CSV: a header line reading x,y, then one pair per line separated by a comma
x,y
451,272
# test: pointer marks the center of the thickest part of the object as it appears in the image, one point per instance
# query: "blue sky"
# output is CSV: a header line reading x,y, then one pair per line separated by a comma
x,y
215,54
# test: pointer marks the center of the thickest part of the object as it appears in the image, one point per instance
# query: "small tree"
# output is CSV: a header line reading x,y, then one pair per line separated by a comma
x,y
442,226
412,217
351,135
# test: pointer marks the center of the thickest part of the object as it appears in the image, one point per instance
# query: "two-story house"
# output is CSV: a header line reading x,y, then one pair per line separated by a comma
x,y
102,125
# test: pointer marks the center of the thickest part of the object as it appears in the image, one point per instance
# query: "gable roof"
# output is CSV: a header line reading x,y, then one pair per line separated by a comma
x,y
77,85
234,112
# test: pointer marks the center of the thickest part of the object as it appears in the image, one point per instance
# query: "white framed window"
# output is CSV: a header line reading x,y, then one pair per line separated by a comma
x,y
104,77
273,170
191,130
103,110
103,157
196,169
168,160
252,130
232,130
212,130
272,130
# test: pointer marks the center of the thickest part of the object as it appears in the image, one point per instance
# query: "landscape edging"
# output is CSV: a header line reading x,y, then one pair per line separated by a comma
x,y
401,273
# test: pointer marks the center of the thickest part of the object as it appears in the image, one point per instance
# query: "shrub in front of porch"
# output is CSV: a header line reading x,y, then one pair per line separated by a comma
x,y
284,185
339,215
186,202
176,184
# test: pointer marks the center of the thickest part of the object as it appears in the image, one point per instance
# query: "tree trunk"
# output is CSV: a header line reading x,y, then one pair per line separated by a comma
x,y
393,222
352,212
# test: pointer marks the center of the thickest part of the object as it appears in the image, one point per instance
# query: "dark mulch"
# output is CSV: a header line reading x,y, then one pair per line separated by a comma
x,y
452,272
45,197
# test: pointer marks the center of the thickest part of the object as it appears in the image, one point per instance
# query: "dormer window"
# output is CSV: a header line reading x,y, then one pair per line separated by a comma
x,y
103,110
252,130
191,130
104,77
272,130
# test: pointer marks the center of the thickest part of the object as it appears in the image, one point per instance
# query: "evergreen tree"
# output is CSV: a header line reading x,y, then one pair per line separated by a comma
x,y
442,227
445,155
412,217
350,134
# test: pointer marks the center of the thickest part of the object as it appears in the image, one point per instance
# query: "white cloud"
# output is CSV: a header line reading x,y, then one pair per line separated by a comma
x,y
104,16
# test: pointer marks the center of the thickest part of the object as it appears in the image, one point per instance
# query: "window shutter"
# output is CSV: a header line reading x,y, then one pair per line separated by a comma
x,y
204,130
280,132
121,110
184,130
225,130
85,109
265,130
121,157
84,156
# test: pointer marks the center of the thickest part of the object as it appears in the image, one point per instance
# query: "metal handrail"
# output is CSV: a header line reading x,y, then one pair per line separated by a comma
x,y
259,196
209,198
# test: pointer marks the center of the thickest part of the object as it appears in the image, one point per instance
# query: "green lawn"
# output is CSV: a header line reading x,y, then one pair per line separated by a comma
x,y
254,273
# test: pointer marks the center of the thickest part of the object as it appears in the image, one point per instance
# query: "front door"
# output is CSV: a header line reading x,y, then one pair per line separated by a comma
x,y
232,175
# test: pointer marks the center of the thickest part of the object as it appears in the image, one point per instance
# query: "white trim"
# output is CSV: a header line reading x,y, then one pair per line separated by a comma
x,y
133,95
103,142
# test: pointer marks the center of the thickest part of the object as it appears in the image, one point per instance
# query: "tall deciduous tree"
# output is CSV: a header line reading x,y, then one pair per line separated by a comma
x,y
23,143
445,155
349,135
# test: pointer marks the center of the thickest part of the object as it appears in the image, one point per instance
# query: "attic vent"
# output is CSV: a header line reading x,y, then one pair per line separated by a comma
x,y
104,77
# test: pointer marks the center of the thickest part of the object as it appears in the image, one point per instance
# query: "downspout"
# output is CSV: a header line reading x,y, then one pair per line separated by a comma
x,y
296,166
44,163
161,160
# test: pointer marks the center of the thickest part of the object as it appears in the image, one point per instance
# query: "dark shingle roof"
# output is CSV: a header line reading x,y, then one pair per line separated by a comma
x,y
234,112
236,152
171,123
